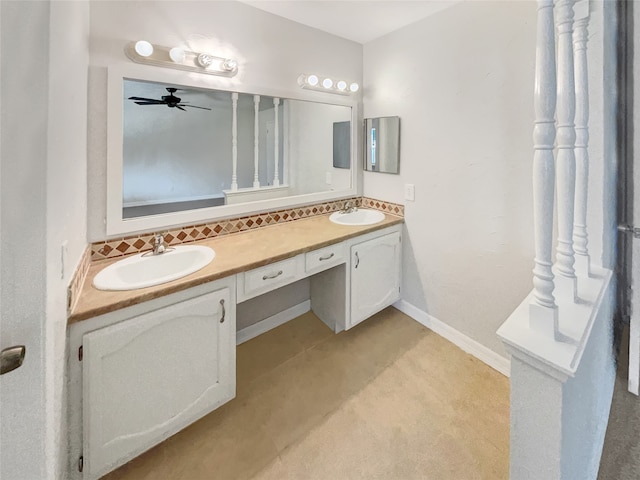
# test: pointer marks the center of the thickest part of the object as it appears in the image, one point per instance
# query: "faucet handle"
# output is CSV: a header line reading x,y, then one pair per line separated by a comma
x,y
159,245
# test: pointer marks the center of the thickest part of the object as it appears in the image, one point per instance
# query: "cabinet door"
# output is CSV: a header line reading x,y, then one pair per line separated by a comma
x,y
147,377
375,276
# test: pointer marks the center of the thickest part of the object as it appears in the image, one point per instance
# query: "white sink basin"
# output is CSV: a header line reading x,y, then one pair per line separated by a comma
x,y
362,216
146,270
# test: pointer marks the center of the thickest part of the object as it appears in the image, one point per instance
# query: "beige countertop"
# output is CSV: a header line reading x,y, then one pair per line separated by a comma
x,y
235,253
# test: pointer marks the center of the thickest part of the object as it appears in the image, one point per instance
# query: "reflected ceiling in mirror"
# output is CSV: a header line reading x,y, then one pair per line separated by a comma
x,y
180,152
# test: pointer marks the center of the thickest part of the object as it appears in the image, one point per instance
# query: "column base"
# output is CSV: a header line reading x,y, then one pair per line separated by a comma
x,y
583,265
544,320
566,288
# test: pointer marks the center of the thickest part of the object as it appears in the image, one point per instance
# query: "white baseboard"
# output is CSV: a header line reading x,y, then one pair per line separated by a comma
x,y
482,353
272,322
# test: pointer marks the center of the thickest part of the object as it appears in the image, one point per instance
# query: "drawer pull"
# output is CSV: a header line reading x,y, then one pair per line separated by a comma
x,y
357,260
326,258
224,311
272,275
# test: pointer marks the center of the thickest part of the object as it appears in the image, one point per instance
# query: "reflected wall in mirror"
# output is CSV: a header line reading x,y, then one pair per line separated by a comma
x,y
383,144
187,148
191,149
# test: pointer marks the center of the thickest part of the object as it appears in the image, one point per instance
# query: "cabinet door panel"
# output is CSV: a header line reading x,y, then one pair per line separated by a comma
x,y
375,276
146,378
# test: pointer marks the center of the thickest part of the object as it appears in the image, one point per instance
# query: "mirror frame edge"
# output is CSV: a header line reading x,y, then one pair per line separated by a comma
x,y
116,225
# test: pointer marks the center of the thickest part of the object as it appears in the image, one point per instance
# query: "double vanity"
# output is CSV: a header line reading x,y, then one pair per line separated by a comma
x,y
146,362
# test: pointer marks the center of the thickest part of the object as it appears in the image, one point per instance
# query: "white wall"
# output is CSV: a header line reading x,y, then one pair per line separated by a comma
x,y
261,42
587,398
462,83
44,65
66,199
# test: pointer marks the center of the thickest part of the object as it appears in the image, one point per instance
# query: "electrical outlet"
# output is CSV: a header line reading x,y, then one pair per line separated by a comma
x,y
328,178
409,192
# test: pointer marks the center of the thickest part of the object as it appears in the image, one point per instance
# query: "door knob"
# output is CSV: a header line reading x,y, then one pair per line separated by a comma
x,y
11,358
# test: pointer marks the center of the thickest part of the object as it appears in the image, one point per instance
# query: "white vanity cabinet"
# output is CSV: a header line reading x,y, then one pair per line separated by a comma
x,y
139,374
375,276
145,377
360,279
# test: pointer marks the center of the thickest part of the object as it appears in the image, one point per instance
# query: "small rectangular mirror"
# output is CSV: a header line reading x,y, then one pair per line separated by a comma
x,y
383,144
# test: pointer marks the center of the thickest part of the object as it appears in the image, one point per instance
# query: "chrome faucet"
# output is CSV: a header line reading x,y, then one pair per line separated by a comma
x,y
159,247
348,207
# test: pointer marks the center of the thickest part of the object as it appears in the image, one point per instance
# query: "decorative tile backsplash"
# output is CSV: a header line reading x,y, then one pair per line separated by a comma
x,y
78,279
386,207
139,243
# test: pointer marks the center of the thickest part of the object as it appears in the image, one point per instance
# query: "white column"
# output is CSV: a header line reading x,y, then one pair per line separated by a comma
x,y
256,138
543,309
580,235
276,178
285,142
234,141
566,141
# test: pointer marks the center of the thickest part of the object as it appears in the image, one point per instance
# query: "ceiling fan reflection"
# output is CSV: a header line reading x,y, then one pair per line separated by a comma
x,y
170,101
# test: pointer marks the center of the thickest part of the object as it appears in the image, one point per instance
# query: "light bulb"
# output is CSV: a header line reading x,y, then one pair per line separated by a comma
x,y
177,54
312,80
327,83
229,65
354,87
342,85
143,48
204,60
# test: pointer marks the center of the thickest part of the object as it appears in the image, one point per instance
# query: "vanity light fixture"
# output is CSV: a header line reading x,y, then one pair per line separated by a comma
x,y
341,87
205,60
177,57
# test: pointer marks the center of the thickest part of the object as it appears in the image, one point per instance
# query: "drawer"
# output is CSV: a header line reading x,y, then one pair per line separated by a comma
x,y
264,279
324,258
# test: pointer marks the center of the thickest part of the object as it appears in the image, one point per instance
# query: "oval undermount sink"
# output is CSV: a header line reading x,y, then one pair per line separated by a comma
x,y
362,216
146,270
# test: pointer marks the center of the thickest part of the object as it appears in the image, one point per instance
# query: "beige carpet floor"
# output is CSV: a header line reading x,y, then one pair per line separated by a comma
x,y
388,399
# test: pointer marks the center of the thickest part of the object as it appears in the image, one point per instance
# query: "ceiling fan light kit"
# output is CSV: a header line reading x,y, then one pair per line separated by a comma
x,y
176,57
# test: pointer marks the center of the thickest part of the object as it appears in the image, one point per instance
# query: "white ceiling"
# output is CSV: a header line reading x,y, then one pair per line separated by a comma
x,y
357,20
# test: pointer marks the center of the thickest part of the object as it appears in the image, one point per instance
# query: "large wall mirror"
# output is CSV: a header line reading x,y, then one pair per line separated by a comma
x,y
182,152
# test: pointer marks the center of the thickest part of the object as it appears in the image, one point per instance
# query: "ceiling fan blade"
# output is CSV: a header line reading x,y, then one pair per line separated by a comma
x,y
146,99
178,106
150,103
193,106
